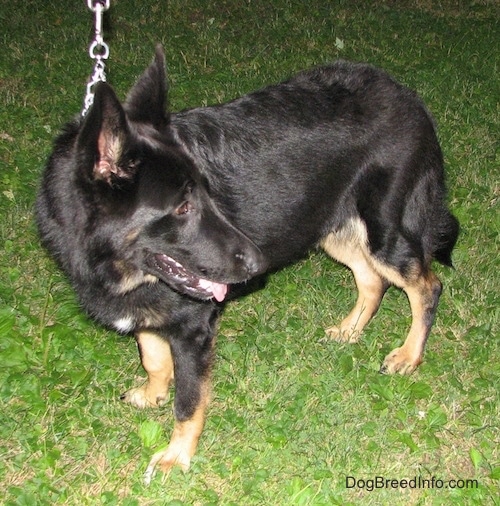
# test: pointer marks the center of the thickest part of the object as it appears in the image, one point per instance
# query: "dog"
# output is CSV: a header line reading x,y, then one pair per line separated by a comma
x,y
157,217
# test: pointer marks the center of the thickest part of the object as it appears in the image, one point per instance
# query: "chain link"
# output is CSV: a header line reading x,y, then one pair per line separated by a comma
x,y
98,51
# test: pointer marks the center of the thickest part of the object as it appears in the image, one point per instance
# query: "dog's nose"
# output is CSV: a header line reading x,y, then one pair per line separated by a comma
x,y
253,261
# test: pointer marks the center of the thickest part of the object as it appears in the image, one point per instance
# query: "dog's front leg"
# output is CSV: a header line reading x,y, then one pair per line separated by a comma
x,y
192,357
184,440
156,358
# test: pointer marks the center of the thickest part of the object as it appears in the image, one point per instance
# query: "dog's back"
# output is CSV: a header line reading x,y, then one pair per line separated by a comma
x,y
334,143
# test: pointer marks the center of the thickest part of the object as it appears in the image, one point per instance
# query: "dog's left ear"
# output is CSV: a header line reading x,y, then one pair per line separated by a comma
x,y
146,101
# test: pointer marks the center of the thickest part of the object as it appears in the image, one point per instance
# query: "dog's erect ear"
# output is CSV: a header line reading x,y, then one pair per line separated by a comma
x,y
103,135
146,100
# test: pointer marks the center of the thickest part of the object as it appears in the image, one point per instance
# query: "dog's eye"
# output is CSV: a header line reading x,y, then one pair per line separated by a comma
x,y
184,208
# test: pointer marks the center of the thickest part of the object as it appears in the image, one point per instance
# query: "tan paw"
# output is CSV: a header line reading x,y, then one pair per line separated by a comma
x,y
165,460
399,360
344,335
142,397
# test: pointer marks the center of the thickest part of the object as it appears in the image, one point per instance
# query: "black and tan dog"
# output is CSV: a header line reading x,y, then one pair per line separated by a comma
x,y
153,214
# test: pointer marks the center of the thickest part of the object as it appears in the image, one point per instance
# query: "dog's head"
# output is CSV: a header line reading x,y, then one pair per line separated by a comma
x,y
122,205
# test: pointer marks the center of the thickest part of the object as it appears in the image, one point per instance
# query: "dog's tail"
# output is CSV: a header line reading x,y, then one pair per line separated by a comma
x,y
446,238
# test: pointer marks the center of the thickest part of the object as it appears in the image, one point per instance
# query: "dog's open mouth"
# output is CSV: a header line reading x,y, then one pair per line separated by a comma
x,y
179,278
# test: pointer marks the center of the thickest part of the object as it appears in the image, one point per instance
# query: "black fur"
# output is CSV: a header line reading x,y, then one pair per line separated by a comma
x,y
233,191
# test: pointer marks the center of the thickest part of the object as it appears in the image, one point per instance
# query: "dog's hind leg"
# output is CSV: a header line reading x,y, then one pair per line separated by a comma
x,y
156,358
423,290
348,249
421,285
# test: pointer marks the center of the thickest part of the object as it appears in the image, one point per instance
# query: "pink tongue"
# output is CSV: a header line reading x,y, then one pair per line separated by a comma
x,y
219,290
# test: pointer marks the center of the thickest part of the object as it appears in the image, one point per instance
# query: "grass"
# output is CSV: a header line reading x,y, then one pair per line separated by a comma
x,y
293,414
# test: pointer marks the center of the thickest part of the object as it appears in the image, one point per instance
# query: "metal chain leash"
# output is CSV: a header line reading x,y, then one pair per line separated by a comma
x,y
98,51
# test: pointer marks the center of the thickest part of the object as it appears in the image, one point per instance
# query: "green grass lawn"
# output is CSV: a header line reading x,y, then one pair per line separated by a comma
x,y
293,414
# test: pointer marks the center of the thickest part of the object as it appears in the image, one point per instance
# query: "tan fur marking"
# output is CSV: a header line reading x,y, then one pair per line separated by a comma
x,y
132,235
157,361
131,282
423,295
131,277
110,148
184,440
350,247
